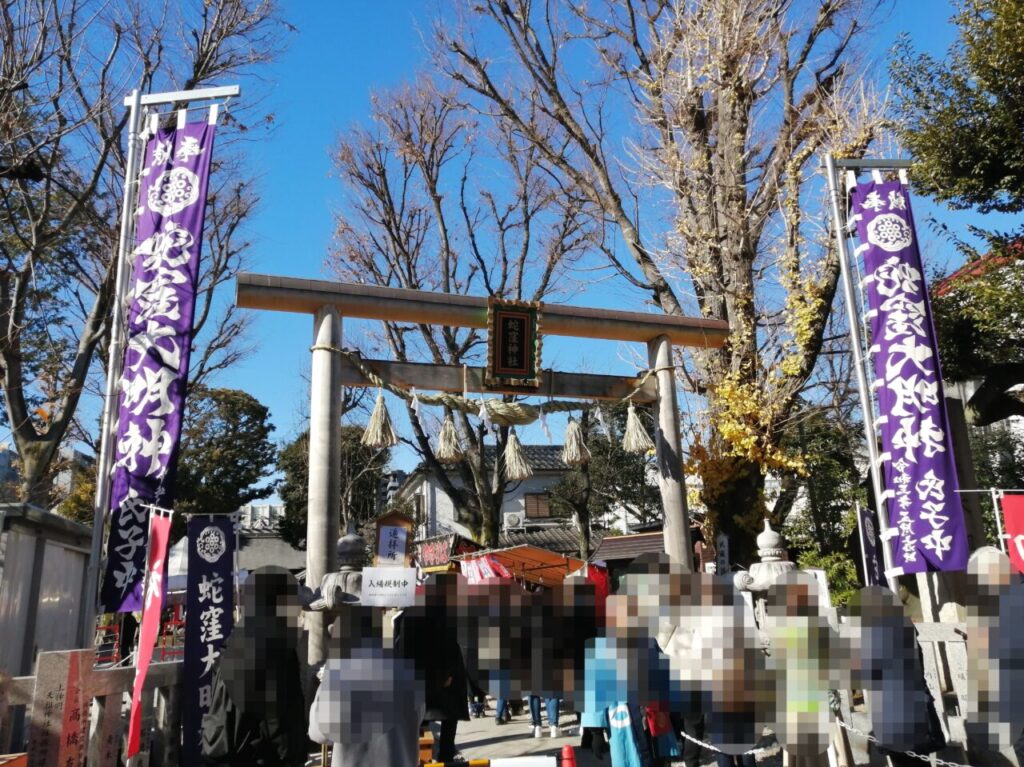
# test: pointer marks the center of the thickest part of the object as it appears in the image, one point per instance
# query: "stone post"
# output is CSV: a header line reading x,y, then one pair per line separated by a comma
x,y
324,466
670,455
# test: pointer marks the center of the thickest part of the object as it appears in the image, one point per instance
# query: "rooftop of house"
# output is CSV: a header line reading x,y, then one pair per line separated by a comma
x,y
542,458
625,547
259,527
981,266
564,539
260,550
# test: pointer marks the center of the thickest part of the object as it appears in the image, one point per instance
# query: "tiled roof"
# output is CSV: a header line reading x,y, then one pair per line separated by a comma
x,y
259,527
540,457
619,547
980,267
260,550
564,540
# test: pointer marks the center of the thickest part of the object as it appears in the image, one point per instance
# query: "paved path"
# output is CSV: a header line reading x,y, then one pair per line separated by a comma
x,y
483,739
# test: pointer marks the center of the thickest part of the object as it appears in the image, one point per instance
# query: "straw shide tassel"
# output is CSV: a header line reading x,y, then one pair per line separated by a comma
x,y
575,452
635,440
516,465
448,448
379,431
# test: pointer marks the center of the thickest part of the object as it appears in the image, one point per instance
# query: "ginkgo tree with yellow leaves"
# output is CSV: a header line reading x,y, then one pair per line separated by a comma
x,y
693,132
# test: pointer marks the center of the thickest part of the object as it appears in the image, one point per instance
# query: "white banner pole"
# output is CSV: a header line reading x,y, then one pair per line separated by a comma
x,y
863,550
104,464
856,342
997,510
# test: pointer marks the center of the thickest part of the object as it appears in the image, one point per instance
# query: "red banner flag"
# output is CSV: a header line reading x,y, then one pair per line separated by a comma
x,y
1013,520
159,532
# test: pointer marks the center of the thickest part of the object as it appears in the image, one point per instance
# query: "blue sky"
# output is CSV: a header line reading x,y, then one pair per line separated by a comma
x,y
323,83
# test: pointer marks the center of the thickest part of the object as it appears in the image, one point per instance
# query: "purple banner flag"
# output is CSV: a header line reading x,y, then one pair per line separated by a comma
x,y
871,547
917,451
209,618
160,312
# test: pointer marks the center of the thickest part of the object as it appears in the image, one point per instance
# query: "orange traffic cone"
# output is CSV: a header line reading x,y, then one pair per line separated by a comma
x,y
568,757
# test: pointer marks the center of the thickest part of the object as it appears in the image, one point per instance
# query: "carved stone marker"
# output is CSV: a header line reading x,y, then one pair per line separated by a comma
x,y
60,710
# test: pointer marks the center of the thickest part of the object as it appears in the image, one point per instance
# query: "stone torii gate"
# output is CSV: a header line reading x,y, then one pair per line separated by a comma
x,y
328,302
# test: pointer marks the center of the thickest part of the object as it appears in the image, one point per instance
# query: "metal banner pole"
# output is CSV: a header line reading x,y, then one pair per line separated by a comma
x,y
104,465
860,537
106,457
856,342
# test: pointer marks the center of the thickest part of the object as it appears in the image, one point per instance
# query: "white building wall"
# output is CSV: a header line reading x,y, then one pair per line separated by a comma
x,y
439,511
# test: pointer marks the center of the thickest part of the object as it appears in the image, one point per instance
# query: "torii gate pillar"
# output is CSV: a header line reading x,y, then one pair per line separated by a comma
x,y
670,455
324,466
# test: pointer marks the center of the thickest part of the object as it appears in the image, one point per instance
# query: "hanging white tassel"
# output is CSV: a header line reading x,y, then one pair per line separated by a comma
x,y
415,405
604,424
484,415
544,425
516,465
635,440
575,452
448,448
379,431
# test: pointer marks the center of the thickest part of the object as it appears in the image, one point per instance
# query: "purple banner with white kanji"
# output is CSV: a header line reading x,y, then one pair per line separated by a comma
x,y
160,312
916,447
209,618
871,547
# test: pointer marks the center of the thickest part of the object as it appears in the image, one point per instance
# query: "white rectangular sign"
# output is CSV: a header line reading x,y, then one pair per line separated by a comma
x,y
389,586
391,545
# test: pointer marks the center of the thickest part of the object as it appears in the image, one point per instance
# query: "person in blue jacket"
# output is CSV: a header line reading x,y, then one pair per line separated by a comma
x,y
623,671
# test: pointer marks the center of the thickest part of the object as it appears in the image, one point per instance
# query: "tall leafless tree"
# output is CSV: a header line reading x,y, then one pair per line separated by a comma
x,y
435,202
65,66
692,127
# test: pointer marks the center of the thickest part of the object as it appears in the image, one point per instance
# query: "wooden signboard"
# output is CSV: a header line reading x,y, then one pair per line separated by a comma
x,y
513,344
435,555
394,540
60,710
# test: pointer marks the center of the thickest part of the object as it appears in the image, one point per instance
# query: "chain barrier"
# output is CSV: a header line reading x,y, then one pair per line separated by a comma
x,y
922,757
760,751
717,750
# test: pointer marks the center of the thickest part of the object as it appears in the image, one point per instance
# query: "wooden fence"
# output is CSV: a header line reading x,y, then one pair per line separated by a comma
x,y
72,713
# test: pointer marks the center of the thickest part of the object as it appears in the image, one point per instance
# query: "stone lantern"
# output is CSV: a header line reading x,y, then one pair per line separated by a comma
x,y
771,548
349,577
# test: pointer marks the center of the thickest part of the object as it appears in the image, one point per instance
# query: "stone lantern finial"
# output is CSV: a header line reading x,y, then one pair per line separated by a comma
x,y
770,546
351,551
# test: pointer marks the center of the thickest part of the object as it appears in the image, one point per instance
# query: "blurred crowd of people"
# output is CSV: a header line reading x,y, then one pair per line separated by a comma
x,y
668,654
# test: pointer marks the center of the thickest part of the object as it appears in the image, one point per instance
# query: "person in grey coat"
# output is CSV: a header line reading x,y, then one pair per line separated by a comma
x,y
368,704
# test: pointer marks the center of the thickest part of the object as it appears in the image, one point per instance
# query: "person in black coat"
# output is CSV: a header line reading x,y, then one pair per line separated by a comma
x,y
257,715
889,667
427,634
